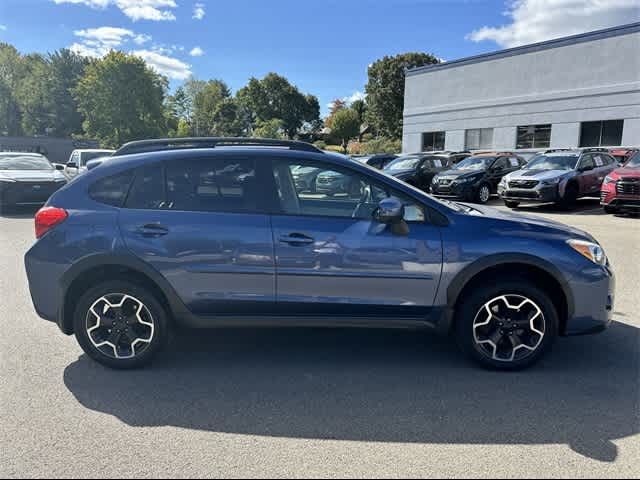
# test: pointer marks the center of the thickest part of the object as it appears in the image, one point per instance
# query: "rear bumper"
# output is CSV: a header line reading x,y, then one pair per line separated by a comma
x,y
594,299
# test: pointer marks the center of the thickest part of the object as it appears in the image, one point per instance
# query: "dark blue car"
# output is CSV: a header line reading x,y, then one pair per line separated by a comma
x,y
215,232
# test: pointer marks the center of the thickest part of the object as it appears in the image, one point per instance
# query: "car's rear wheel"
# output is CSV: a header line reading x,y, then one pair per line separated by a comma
x,y
511,204
509,325
484,193
120,324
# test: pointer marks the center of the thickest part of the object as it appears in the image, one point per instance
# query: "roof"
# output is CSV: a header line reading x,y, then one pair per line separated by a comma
x,y
93,150
535,47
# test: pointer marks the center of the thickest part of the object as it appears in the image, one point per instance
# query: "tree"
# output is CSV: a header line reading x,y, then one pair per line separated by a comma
x,y
11,73
274,97
215,111
65,70
345,126
385,91
121,99
33,94
269,129
360,107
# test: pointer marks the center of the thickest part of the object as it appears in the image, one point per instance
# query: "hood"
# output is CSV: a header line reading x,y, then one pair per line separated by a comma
x,y
401,173
455,173
561,228
32,175
537,174
626,172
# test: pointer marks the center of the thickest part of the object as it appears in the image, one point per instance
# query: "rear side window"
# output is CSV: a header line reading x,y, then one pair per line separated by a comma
x,y
213,185
112,190
147,192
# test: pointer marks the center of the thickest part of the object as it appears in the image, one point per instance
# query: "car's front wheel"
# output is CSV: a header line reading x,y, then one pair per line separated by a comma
x,y
120,324
511,204
611,210
484,193
509,325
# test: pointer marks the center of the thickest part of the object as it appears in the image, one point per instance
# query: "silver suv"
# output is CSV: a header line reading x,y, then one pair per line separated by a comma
x,y
557,176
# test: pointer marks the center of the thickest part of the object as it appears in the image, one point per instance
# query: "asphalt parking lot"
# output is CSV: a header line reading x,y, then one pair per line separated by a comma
x,y
321,403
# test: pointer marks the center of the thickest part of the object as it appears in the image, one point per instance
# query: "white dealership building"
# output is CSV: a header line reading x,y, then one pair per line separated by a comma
x,y
579,91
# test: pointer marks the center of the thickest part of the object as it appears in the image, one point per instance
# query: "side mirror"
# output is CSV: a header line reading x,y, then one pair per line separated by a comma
x,y
72,165
390,211
586,168
59,167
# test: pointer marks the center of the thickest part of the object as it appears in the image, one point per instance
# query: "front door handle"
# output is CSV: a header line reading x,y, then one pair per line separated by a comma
x,y
296,239
153,230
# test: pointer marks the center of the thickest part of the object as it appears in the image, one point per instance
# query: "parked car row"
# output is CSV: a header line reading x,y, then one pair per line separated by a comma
x,y
559,176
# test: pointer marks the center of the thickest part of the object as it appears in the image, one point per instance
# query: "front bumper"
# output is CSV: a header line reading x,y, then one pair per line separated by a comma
x,y
28,193
461,191
611,197
594,298
540,194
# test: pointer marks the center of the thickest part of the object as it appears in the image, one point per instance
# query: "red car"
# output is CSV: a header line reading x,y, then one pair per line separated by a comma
x,y
623,154
621,188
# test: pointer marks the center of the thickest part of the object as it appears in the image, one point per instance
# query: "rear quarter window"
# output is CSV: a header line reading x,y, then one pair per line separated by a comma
x,y
112,190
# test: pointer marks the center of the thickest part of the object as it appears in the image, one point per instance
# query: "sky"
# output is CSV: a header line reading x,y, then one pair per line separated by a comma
x,y
323,47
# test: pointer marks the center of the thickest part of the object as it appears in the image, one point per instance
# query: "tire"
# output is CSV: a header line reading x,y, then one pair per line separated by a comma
x,y
483,194
511,204
611,210
152,330
570,197
491,344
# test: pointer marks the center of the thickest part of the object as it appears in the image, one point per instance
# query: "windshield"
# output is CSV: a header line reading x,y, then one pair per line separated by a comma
x,y
24,162
545,162
474,163
404,163
635,161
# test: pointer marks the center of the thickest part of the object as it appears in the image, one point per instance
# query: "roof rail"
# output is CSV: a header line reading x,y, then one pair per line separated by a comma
x,y
595,149
161,144
552,150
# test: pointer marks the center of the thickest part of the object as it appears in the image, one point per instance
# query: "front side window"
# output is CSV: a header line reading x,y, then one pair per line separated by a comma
x,y
337,193
534,136
410,162
479,138
587,162
433,141
599,134
213,185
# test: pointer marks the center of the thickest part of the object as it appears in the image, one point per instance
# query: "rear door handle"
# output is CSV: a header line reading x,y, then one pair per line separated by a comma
x,y
296,239
153,230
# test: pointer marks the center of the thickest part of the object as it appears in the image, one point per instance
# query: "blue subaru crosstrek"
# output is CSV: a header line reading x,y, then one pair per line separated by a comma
x,y
215,233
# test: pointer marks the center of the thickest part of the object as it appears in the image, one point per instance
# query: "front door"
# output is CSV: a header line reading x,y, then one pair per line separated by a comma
x,y
198,223
333,259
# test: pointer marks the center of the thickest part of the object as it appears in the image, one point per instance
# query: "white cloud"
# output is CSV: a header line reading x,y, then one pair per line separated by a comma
x,y
534,21
198,11
141,39
156,10
171,67
97,42
3,28
354,96
196,52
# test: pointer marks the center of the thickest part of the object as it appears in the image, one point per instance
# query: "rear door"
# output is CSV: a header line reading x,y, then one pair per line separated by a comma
x,y
333,259
201,224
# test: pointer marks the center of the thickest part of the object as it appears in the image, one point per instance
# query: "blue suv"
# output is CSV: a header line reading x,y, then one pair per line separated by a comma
x,y
216,233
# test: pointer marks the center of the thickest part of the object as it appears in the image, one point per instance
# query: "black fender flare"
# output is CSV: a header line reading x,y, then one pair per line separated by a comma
x,y
463,277
128,261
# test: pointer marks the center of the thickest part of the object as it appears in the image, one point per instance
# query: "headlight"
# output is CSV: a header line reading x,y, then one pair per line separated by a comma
x,y
435,179
503,181
608,180
553,181
592,251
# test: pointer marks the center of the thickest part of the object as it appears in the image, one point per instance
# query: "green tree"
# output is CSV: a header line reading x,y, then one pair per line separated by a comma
x,y
214,110
345,126
33,94
122,99
385,91
184,128
11,74
274,97
269,129
360,107
65,71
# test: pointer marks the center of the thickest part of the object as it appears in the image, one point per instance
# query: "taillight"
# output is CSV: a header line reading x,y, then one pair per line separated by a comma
x,y
47,218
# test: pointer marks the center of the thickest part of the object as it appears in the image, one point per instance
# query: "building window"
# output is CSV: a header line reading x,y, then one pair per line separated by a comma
x,y
433,141
534,136
479,138
603,133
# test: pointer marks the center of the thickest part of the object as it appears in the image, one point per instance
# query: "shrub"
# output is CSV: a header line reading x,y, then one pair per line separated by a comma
x,y
322,145
383,145
334,148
